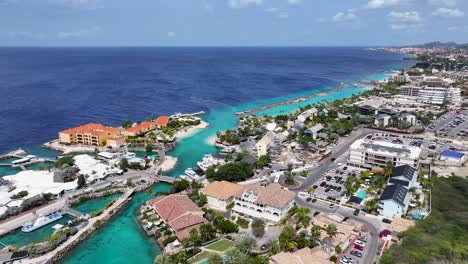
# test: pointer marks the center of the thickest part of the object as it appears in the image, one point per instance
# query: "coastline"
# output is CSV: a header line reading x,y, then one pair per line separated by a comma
x,y
191,130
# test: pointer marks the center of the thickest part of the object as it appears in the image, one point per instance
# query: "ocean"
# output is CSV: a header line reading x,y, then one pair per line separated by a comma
x,y
49,89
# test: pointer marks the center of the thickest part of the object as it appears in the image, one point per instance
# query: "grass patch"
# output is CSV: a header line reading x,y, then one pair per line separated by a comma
x,y
442,236
201,256
221,245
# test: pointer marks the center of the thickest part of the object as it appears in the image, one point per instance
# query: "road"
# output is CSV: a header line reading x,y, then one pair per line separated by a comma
x,y
373,223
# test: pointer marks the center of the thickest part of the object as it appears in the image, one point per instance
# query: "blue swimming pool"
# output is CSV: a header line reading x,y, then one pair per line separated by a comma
x,y
361,194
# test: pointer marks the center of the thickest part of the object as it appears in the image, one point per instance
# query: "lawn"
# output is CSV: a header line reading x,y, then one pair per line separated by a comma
x,y
201,256
221,245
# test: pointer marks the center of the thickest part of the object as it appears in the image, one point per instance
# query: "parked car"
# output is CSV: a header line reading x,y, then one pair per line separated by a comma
x,y
345,219
314,200
332,206
387,221
356,212
359,242
356,253
316,213
358,247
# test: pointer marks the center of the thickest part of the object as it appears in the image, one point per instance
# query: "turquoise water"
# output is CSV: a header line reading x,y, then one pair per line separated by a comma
x,y
95,204
362,194
121,240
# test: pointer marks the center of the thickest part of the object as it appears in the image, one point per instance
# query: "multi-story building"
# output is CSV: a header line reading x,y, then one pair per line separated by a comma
x,y
140,129
310,113
394,201
399,78
220,193
367,154
89,134
454,97
408,90
270,203
264,143
432,95
404,175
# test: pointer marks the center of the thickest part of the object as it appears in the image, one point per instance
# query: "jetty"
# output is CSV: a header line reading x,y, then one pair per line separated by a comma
x,y
292,101
19,153
168,179
178,115
22,159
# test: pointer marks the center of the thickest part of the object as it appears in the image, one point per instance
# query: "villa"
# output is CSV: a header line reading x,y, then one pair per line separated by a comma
x,y
179,213
270,203
140,129
89,134
264,143
221,193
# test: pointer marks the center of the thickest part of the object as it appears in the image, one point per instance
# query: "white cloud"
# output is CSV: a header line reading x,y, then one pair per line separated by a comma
x,y
271,10
382,3
447,12
407,17
283,15
79,33
443,2
295,2
344,16
408,21
244,3
171,34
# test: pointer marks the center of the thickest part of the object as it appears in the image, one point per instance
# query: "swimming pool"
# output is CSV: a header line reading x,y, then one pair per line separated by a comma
x,y
361,194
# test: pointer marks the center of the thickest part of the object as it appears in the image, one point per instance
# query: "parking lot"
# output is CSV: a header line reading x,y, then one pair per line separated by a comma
x,y
451,125
330,186
356,252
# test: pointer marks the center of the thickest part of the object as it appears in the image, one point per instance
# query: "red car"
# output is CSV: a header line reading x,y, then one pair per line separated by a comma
x,y
358,247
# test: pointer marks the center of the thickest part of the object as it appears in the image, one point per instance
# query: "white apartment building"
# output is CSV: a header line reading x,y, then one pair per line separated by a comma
x,y
454,96
310,113
264,143
399,78
432,95
365,153
408,90
270,203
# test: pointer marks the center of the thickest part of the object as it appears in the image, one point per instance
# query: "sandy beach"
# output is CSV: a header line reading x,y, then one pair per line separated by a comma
x,y
191,130
169,163
211,140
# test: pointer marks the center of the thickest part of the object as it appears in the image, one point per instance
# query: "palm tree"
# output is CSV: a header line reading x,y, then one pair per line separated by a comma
x,y
331,230
315,231
286,238
258,227
215,259
310,190
245,243
372,204
289,174
207,232
302,213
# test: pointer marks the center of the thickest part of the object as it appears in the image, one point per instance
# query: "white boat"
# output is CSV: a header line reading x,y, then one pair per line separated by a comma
x,y
41,221
190,172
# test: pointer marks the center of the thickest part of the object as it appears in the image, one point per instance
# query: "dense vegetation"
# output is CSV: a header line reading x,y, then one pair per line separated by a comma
x,y
442,237
65,160
233,172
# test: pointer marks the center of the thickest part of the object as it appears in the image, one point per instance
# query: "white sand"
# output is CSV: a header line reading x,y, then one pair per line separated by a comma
x,y
211,140
88,165
37,182
169,163
191,130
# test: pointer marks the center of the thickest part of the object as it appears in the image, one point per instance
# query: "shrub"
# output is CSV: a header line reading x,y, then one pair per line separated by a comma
x,y
243,222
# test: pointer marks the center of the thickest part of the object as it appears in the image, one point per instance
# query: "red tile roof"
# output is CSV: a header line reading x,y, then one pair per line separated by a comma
x,y
162,120
179,212
141,126
92,129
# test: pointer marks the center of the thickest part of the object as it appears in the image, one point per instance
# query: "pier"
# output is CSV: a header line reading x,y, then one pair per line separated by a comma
x,y
167,179
292,101
22,159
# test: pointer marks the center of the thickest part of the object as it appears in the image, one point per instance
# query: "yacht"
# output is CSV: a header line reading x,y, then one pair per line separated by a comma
x,y
41,221
190,172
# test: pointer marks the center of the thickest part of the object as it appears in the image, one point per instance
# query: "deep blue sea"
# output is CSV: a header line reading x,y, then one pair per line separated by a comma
x,y
45,90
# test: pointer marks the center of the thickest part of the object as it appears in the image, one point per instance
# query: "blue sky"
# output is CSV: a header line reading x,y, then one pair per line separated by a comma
x,y
231,22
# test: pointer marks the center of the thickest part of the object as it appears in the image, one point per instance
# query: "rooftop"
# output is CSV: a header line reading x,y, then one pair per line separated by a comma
x,y
384,147
142,126
303,256
273,195
92,129
162,120
405,171
395,192
173,206
222,189
452,154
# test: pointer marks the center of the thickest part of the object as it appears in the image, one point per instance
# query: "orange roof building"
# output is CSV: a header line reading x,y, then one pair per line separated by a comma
x,y
221,193
162,121
89,134
179,212
140,129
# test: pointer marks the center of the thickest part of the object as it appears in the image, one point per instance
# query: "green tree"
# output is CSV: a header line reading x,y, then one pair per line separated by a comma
x,y
180,185
234,171
149,148
227,227
126,124
272,246
207,232
315,231
210,172
372,204
162,259
331,230
65,160
214,258
302,214
310,190
258,227
263,161
81,181
245,244
286,239
289,175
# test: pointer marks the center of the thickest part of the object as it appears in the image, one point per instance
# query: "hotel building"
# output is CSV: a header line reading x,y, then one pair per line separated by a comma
x,y
89,134
367,154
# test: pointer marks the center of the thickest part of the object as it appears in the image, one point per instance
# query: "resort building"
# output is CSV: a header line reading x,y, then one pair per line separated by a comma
x,y
116,141
382,120
367,154
313,131
454,97
270,203
179,213
89,134
407,118
432,95
221,193
307,114
367,110
140,129
264,143
408,90
394,201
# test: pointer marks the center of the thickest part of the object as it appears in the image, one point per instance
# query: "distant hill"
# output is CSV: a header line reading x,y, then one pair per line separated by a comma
x,y
438,44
